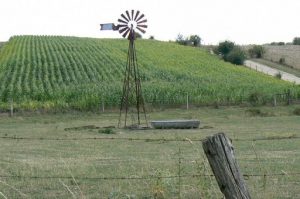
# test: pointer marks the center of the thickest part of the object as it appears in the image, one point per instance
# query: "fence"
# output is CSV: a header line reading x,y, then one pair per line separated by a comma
x,y
179,180
184,101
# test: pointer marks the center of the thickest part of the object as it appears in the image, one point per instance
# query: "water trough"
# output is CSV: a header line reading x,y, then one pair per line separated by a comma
x,y
175,124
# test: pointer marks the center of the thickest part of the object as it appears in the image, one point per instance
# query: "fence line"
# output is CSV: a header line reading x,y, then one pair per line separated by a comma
x,y
142,177
143,139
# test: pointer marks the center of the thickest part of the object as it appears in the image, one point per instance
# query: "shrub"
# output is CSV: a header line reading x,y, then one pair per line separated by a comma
x,y
253,112
195,40
255,98
225,47
278,75
297,111
296,41
278,43
282,60
107,131
236,56
257,51
181,40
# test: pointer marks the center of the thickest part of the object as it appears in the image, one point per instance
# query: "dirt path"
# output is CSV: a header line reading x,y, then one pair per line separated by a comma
x,y
271,71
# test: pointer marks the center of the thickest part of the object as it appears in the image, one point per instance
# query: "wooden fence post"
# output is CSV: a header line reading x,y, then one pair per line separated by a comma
x,y
187,101
274,100
220,154
11,108
103,106
289,101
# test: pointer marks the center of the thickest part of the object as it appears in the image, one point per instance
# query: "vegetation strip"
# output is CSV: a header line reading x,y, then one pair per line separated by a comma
x,y
139,178
62,73
147,139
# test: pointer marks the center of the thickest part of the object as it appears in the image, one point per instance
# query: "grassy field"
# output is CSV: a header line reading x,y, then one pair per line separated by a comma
x,y
56,72
56,160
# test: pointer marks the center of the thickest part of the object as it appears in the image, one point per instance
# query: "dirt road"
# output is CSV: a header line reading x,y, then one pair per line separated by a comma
x,y
271,71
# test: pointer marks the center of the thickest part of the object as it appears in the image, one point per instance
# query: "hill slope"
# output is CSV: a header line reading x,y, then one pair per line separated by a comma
x,y
55,71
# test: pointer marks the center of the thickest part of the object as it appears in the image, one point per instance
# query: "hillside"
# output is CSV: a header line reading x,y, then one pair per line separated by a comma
x,y
70,72
1,44
290,54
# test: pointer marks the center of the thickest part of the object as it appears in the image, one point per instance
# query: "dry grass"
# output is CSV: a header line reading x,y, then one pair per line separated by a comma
x,y
290,53
80,166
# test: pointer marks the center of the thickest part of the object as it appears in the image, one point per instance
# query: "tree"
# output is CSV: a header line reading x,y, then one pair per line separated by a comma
x,y
181,40
151,37
231,53
257,51
236,56
225,47
296,41
195,40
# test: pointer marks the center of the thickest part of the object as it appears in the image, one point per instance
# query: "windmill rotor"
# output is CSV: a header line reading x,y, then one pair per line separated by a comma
x,y
129,22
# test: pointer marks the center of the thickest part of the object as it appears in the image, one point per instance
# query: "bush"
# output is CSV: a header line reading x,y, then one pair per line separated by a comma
x,y
236,56
278,43
297,111
278,75
255,98
231,53
107,131
193,40
181,40
257,51
253,112
296,41
225,48
282,60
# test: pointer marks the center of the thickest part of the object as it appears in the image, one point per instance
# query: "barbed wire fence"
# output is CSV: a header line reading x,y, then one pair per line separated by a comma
x,y
179,175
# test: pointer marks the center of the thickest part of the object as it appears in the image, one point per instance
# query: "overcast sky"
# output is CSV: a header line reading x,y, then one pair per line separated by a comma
x,y
241,21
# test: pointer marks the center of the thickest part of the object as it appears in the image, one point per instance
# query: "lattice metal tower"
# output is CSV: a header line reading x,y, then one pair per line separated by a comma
x,y
132,102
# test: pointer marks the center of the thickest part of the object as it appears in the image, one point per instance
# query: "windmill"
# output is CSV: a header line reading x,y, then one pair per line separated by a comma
x,y
132,101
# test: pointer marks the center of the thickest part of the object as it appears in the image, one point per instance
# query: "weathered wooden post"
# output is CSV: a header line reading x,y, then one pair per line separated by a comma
x,y
288,94
274,100
187,101
103,106
220,154
11,108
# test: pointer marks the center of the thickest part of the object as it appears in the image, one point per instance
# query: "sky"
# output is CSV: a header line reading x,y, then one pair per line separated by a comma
x,y
241,21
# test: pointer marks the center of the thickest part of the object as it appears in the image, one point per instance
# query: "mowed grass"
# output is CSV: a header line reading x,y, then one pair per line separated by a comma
x,y
79,166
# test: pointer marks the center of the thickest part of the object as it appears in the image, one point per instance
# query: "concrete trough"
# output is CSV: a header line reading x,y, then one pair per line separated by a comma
x,y
175,124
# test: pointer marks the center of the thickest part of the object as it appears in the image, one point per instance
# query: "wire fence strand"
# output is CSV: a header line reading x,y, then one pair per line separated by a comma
x,y
144,139
143,177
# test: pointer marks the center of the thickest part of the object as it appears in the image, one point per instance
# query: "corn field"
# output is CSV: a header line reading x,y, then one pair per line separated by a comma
x,y
81,73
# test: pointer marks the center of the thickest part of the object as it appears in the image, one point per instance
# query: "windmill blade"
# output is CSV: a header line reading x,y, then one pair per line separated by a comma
x,y
140,29
122,25
143,26
140,18
132,14
124,17
144,21
123,29
137,14
127,13
122,21
125,34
